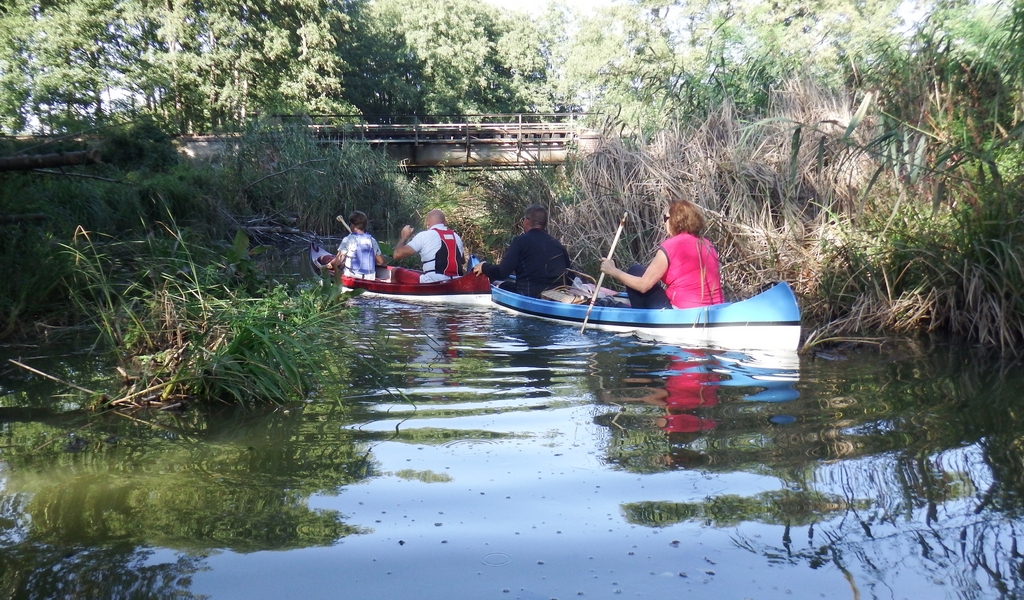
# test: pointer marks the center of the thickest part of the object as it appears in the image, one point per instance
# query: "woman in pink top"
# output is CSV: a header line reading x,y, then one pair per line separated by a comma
x,y
685,263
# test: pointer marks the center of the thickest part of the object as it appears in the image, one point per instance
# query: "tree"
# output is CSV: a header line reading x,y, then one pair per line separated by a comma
x,y
654,59
445,57
224,61
57,69
197,65
14,67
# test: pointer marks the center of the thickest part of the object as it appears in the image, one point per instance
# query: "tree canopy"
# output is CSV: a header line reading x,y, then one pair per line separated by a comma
x,y
208,65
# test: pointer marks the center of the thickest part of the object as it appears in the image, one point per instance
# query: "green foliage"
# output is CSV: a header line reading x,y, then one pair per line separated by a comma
x,y
508,194
486,208
183,329
943,250
240,266
37,278
214,65
910,270
30,276
279,170
446,57
273,172
950,102
621,63
58,63
643,65
140,145
193,66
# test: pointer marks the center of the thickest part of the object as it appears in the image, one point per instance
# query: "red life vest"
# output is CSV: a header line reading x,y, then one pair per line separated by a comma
x,y
448,260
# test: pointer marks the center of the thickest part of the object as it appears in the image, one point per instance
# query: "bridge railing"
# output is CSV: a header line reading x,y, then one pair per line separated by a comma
x,y
440,128
358,119
430,141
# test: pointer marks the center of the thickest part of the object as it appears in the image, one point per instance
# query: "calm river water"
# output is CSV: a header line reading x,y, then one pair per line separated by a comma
x,y
495,456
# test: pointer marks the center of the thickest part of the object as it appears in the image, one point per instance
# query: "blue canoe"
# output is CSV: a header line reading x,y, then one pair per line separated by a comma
x,y
768,321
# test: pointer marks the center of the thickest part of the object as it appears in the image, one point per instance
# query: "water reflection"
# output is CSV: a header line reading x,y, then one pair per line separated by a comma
x,y
44,572
482,441
193,482
686,393
920,474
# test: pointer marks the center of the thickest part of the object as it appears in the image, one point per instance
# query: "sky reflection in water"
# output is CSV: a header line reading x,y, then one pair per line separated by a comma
x,y
504,457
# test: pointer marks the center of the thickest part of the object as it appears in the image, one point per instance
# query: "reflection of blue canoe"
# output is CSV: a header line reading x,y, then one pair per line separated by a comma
x,y
775,371
770,320
772,374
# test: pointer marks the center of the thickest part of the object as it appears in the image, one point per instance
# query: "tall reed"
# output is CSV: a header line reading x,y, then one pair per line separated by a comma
x,y
764,186
824,193
962,272
486,207
283,171
180,332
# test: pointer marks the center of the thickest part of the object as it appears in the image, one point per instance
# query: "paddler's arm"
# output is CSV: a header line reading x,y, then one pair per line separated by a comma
x,y
655,271
493,272
402,249
507,266
339,259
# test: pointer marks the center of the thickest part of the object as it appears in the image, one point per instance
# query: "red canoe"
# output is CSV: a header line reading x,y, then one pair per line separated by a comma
x,y
404,284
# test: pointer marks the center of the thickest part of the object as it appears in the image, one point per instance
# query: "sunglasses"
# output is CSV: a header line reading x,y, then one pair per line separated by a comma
x,y
667,217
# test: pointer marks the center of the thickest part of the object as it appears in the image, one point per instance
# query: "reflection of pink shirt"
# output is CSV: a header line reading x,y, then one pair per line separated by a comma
x,y
687,423
691,385
692,277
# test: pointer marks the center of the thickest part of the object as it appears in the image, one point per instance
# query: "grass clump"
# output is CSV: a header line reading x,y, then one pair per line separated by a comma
x,y
277,171
182,328
961,271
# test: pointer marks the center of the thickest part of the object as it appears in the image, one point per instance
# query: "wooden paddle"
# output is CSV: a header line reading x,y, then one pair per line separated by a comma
x,y
341,220
600,280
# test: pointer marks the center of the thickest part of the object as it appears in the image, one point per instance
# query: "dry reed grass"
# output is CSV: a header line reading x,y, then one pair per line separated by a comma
x,y
765,189
821,195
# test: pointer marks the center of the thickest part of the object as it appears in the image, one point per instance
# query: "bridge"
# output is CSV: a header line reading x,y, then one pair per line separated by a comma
x,y
510,141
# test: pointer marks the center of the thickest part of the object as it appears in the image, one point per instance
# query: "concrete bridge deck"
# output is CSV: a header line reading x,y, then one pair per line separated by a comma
x,y
474,141
500,140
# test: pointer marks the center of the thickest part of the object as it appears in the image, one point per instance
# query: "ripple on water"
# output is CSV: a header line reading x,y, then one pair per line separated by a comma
x,y
496,559
469,442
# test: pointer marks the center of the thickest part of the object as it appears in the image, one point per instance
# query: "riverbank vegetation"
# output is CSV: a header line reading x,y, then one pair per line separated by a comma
x,y
152,251
869,156
187,327
888,191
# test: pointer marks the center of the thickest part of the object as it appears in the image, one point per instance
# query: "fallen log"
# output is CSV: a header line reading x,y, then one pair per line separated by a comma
x,y
39,161
4,219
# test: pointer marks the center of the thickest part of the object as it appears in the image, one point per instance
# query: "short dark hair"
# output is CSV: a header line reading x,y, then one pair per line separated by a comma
x,y
357,220
538,215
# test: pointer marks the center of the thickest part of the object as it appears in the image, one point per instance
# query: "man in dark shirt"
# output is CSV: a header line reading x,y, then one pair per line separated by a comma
x,y
538,260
